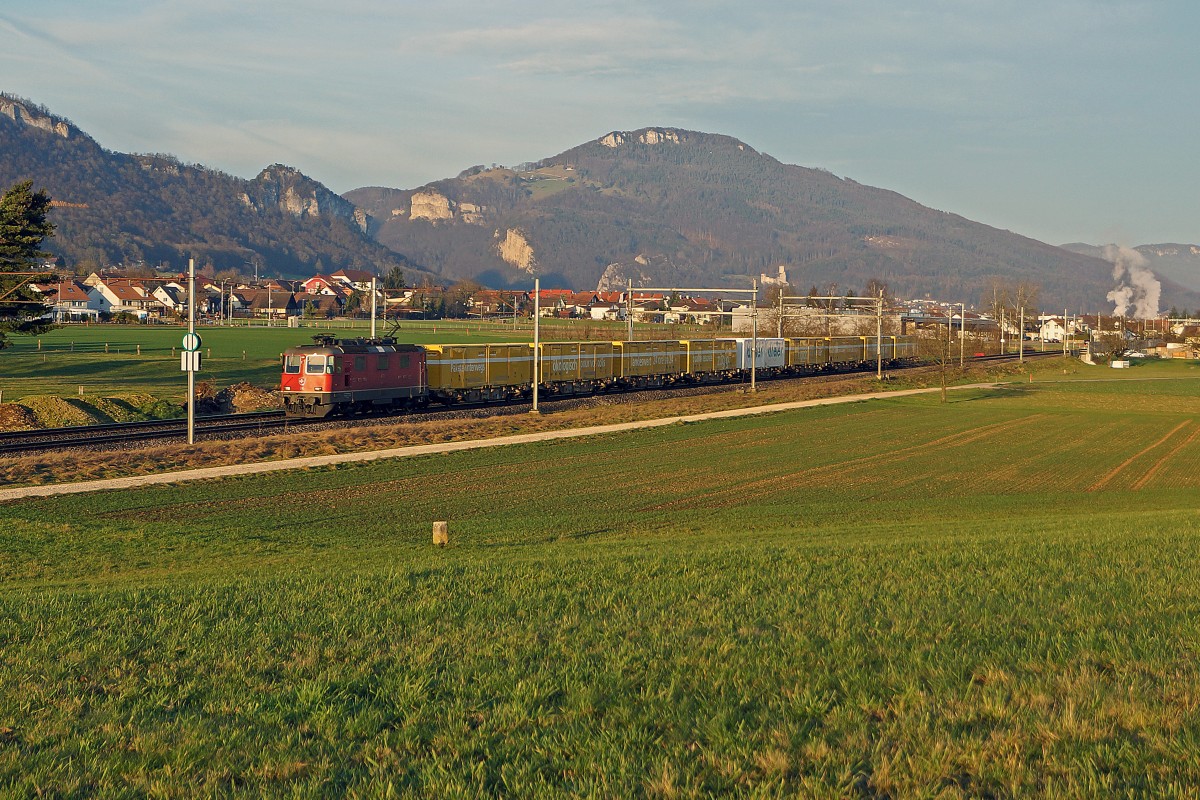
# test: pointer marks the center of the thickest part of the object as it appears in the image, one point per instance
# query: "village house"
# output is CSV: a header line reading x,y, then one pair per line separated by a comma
x,y
354,278
690,309
68,300
265,303
124,296
322,306
320,284
553,302
172,296
1053,329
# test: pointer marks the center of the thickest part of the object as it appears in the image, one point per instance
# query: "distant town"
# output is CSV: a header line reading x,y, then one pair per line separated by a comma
x,y
152,297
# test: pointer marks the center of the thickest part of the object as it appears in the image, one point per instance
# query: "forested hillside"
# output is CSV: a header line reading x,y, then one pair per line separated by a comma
x,y
113,207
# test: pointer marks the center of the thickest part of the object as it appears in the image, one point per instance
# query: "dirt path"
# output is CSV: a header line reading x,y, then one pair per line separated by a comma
x,y
260,467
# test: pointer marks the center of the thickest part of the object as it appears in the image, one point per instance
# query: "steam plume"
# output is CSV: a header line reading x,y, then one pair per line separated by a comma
x,y
1137,289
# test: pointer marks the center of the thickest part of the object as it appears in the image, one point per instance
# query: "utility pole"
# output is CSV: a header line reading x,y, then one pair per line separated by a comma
x,y
537,359
628,311
754,339
779,332
962,334
879,338
191,405
373,307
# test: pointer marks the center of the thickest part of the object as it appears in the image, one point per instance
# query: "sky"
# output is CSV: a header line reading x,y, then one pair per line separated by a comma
x,y
1062,120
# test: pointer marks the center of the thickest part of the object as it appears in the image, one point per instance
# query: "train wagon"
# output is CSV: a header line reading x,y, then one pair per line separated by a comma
x,y
648,364
576,367
806,355
475,373
845,351
709,360
343,376
769,354
904,347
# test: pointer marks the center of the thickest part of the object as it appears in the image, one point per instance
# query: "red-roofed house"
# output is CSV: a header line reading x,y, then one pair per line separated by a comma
x,y
69,301
124,296
320,284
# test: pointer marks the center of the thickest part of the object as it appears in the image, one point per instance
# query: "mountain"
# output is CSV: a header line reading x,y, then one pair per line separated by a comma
x,y
657,206
114,207
670,207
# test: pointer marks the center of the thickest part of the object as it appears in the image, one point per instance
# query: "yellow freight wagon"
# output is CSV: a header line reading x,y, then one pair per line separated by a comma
x,y
709,356
802,353
475,372
573,367
845,350
649,363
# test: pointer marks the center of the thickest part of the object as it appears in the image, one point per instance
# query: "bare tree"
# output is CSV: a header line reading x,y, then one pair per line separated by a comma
x,y
934,346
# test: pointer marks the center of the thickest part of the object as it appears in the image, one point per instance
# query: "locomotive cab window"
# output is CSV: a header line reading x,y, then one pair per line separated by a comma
x,y
319,365
404,362
291,365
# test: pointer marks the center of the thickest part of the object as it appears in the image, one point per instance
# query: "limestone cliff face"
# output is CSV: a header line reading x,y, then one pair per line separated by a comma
x,y
430,205
19,112
515,249
295,193
648,136
434,206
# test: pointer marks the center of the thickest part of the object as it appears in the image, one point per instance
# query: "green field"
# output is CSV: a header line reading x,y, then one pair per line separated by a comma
x,y
110,359
995,597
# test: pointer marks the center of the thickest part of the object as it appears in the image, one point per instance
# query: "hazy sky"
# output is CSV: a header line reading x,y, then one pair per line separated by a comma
x,y
1064,120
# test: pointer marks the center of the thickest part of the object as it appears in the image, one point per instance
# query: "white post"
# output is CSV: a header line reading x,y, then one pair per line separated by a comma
x,y
1021,340
629,312
191,398
879,338
754,340
373,306
537,313
962,333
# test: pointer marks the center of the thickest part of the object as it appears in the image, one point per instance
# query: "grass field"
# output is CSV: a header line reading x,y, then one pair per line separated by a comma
x,y
995,597
109,359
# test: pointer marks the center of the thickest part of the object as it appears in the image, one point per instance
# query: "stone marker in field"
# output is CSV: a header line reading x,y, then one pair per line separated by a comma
x,y
441,534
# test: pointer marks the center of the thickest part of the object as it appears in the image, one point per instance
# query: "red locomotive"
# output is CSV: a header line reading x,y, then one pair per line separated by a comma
x,y
352,375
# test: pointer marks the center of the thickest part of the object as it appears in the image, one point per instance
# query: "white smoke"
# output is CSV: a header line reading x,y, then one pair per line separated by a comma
x,y
1137,289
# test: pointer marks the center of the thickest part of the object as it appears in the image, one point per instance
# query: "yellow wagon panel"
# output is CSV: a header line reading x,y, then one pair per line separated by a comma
x,y
639,359
576,361
474,366
709,355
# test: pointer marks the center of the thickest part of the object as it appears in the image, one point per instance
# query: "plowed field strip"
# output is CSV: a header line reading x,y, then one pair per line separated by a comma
x,y
1158,465
1108,476
720,497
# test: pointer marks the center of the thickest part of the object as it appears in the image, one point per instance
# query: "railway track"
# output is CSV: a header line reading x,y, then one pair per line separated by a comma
x,y
113,435
16,442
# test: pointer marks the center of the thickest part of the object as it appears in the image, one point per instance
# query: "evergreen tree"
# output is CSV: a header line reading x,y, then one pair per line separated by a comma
x,y
23,229
394,279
